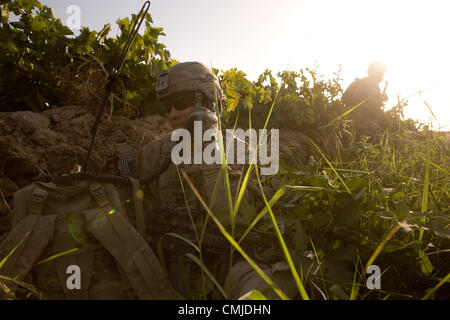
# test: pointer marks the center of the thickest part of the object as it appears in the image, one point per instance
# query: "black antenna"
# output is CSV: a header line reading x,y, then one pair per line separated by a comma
x,y
112,78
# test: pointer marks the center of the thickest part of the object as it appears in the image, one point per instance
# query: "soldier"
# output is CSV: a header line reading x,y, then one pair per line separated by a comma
x,y
368,117
190,92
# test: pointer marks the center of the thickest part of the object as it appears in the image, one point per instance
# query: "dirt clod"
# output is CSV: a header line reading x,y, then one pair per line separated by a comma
x,y
42,146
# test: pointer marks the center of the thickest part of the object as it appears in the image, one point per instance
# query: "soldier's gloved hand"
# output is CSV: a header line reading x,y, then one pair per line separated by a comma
x,y
207,118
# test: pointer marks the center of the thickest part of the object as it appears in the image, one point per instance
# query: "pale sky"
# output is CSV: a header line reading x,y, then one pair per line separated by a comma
x,y
411,37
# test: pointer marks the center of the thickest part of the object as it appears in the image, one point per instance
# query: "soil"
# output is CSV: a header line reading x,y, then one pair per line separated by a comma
x,y
43,146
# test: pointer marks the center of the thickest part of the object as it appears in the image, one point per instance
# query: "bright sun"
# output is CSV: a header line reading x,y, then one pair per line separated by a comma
x,y
410,37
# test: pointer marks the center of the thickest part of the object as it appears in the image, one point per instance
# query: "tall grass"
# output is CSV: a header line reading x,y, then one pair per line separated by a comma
x,y
399,181
381,165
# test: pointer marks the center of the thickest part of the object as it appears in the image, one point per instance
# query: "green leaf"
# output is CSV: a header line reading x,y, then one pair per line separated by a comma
x,y
395,245
123,24
38,24
28,5
148,18
256,295
356,184
155,32
425,264
398,195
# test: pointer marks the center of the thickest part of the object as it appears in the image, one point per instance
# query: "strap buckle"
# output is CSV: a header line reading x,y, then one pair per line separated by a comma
x,y
98,192
38,197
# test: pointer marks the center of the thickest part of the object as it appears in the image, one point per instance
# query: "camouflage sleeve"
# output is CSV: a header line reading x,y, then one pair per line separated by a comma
x,y
147,159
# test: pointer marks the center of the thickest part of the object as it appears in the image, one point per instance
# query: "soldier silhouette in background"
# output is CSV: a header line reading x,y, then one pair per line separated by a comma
x,y
368,117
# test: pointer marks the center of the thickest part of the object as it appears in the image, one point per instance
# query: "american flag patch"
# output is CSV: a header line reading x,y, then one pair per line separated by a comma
x,y
127,163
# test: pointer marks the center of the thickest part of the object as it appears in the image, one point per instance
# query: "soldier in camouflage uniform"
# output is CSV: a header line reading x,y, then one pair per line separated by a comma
x,y
190,92
368,118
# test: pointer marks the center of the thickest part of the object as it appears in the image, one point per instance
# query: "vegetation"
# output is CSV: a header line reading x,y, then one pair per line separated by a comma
x,y
379,200
356,201
44,65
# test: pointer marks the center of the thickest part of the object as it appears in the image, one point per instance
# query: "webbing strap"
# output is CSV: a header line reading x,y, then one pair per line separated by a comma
x,y
85,262
131,251
139,206
30,237
38,197
98,192
127,288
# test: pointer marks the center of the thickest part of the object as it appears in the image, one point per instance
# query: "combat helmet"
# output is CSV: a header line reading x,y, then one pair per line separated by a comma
x,y
190,77
376,69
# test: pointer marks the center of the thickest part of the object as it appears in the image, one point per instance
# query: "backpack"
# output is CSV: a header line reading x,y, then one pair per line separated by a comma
x,y
86,225
350,97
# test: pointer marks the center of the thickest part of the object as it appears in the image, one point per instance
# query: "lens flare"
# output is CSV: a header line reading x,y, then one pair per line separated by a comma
x,y
140,194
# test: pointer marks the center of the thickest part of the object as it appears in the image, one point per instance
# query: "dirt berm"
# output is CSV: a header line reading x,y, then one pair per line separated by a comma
x,y
42,146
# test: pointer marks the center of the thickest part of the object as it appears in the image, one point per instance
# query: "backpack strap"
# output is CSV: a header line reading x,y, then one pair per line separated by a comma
x,y
28,239
38,197
98,192
28,200
86,263
139,206
130,250
126,285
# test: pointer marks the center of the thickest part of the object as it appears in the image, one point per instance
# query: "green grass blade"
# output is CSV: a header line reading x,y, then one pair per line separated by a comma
x,y
440,284
256,295
224,169
342,115
277,290
13,250
249,170
426,183
326,295
208,273
431,110
374,255
187,206
440,168
309,188
280,192
329,163
180,237
55,256
25,285
160,252
293,269
199,239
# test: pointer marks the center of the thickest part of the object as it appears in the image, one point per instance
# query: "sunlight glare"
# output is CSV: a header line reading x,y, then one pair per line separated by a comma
x,y
410,37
